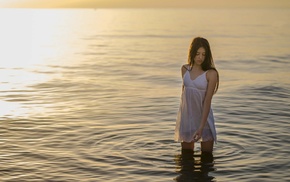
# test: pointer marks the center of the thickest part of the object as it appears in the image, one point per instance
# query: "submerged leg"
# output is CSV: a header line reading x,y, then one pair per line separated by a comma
x,y
186,145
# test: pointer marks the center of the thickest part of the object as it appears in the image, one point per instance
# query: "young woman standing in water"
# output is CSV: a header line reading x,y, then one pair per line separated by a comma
x,y
195,119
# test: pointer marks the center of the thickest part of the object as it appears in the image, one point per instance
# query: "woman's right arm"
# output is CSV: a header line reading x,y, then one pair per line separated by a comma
x,y
183,70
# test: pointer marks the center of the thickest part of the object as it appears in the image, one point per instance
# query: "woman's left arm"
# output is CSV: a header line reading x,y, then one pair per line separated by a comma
x,y
211,77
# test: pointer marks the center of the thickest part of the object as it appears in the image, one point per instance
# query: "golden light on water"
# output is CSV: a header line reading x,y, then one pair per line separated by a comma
x,y
29,37
30,41
10,108
36,48
26,46
15,36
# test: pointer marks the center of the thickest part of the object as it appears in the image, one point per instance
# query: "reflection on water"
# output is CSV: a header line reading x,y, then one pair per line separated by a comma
x,y
193,166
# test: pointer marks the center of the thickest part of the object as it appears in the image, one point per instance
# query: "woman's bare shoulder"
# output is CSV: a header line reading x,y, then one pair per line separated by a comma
x,y
185,67
211,74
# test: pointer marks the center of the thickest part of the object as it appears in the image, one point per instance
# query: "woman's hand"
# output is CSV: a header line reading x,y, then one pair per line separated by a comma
x,y
197,135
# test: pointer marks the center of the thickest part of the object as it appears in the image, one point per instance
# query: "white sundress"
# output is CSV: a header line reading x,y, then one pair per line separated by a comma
x,y
190,111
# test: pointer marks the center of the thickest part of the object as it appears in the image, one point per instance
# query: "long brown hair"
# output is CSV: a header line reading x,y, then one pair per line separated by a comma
x,y
208,63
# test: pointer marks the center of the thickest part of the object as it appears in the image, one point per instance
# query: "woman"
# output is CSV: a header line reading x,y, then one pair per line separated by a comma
x,y
195,119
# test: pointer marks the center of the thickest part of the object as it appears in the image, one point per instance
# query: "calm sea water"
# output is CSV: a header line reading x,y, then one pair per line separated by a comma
x,y
92,95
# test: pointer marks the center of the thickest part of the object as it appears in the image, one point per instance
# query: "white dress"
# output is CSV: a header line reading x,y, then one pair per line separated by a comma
x,y
190,111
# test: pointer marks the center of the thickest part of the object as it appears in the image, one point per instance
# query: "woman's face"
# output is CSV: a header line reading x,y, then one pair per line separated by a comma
x,y
200,56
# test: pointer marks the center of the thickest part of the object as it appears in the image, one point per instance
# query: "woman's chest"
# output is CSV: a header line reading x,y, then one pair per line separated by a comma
x,y
199,82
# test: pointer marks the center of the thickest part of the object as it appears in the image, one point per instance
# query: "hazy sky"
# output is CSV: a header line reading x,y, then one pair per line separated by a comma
x,y
144,3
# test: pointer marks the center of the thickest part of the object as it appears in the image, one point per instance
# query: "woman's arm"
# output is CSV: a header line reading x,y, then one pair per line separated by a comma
x,y
212,81
183,70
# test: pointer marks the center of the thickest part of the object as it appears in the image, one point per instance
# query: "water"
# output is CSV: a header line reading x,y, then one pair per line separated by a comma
x,y
92,95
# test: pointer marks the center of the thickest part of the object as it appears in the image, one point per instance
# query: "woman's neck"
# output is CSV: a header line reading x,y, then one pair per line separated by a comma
x,y
196,67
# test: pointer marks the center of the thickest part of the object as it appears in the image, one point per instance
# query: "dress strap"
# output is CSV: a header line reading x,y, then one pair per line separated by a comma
x,y
187,67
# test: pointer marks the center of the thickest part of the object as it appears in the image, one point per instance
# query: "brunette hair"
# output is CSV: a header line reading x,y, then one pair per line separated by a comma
x,y
208,63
